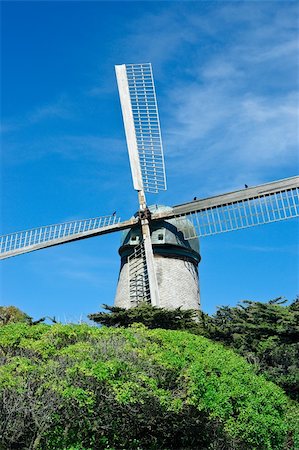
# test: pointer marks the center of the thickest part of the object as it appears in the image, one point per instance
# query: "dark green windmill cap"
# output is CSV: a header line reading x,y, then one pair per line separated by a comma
x,y
167,239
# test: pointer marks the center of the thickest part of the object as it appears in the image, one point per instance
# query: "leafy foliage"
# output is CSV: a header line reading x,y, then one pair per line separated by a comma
x,y
266,334
81,387
12,314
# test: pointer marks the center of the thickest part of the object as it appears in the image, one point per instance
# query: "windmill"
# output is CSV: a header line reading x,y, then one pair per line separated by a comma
x,y
160,250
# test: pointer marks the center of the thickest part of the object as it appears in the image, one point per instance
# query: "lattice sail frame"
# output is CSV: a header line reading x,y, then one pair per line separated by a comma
x,y
22,241
264,208
142,126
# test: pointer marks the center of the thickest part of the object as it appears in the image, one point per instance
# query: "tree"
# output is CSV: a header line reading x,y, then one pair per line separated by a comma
x,y
150,316
12,314
266,334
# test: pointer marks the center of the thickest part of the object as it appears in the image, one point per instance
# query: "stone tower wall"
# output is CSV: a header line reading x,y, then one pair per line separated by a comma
x,y
177,283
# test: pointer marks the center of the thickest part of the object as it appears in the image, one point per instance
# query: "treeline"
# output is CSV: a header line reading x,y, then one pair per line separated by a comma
x,y
266,334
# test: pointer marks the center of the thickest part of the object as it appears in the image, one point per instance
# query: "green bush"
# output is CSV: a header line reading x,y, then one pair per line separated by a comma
x,y
80,387
266,334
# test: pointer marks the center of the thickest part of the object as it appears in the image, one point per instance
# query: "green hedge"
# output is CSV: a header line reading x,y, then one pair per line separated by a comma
x,y
78,386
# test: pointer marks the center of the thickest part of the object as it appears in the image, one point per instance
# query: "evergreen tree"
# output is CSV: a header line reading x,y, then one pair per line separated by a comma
x,y
148,315
267,334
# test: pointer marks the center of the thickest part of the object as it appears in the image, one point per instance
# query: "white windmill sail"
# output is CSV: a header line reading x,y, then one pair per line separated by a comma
x,y
47,236
142,126
266,203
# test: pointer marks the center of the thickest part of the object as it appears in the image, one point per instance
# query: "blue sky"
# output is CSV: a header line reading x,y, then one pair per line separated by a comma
x,y
226,76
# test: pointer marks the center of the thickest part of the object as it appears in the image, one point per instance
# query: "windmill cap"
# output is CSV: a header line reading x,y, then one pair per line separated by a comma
x,y
166,236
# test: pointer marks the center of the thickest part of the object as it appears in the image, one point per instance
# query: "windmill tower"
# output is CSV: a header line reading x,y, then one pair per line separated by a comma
x,y
176,262
159,250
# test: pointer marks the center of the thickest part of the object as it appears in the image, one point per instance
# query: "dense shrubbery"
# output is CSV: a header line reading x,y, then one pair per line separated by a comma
x,y
266,334
64,385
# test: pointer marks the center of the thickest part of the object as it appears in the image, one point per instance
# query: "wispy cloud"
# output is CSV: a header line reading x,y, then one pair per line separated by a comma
x,y
56,110
90,147
249,130
83,268
227,82
234,104
85,260
293,249
101,90
78,269
60,109
156,37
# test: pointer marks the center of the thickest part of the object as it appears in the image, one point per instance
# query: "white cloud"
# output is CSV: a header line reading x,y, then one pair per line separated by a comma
x,y
81,268
229,112
228,138
87,147
220,69
293,249
228,104
58,110
61,109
